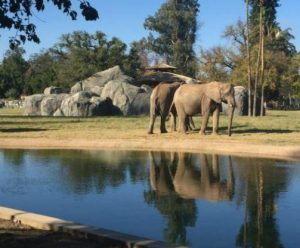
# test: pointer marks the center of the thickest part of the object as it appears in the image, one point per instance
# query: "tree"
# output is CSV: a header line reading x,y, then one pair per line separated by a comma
x,y
175,27
249,71
214,64
17,14
41,73
133,64
12,74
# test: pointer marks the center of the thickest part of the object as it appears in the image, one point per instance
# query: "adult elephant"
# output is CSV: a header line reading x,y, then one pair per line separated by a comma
x,y
160,103
210,181
180,172
191,99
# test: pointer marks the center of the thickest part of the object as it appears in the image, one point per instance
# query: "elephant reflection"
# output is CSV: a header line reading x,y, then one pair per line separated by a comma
x,y
160,176
191,181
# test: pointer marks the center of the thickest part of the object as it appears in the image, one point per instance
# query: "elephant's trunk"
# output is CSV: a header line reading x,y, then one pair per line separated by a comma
x,y
230,118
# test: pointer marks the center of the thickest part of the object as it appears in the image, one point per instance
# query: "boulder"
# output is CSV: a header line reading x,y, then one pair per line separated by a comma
x,y
51,103
141,104
32,105
241,101
85,103
129,99
58,113
54,90
96,82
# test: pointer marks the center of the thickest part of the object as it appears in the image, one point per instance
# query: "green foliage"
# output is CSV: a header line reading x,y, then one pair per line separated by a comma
x,y
281,66
75,57
12,71
17,15
41,73
175,27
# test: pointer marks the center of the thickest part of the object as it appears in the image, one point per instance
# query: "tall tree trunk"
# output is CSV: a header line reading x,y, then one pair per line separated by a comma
x,y
262,79
262,73
257,62
248,60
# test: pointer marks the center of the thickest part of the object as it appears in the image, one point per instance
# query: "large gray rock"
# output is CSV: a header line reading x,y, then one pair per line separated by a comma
x,y
96,82
85,103
109,92
141,103
51,103
54,90
241,101
129,99
32,105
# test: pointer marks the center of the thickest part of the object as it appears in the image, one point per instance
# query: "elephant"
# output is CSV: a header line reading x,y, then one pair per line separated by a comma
x,y
191,181
160,179
160,104
191,99
191,177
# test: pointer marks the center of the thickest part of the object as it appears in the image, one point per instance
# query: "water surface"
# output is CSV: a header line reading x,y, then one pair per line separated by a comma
x,y
199,200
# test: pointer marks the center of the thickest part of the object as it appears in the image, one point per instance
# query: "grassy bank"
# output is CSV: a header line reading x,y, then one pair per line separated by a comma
x,y
277,128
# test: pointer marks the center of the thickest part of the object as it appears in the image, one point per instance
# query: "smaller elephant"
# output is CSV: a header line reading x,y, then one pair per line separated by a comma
x,y
160,104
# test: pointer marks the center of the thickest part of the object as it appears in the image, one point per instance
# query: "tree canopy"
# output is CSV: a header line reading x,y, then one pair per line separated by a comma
x,y
74,57
17,14
175,26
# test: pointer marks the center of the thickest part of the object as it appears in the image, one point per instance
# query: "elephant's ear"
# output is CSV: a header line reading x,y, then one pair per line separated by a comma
x,y
213,92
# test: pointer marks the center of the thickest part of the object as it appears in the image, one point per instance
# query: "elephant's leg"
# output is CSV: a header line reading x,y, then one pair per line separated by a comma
x,y
216,115
204,122
190,125
181,117
174,114
187,123
215,167
163,124
151,124
174,123
182,123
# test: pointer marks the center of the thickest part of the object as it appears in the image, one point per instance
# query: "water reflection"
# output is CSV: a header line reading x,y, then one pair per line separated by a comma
x,y
200,176
174,184
263,184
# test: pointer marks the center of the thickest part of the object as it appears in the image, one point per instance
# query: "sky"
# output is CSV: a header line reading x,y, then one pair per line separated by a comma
x,y
124,19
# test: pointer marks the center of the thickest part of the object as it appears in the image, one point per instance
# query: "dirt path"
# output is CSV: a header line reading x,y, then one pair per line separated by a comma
x,y
188,145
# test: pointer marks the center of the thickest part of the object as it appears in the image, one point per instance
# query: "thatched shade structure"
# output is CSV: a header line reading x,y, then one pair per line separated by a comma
x,y
161,67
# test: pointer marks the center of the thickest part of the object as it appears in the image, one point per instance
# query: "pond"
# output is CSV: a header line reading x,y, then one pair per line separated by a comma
x,y
198,200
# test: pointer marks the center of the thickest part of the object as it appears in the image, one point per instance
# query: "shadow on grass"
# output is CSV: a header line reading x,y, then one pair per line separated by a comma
x,y
237,130
20,130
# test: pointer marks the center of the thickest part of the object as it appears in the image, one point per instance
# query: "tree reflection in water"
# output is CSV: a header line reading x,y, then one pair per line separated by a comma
x,y
263,183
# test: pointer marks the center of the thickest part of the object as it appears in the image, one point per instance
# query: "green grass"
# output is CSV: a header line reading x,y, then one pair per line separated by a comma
x,y
10,111
278,127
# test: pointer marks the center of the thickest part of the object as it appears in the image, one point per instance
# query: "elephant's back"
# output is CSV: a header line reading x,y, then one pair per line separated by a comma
x,y
188,97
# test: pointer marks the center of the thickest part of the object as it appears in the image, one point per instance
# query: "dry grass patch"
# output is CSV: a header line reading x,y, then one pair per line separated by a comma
x,y
278,127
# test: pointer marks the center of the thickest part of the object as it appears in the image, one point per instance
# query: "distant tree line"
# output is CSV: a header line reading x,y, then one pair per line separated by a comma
x,y
75,57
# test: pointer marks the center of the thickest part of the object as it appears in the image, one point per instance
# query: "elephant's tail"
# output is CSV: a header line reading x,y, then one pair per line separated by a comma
x,y
171,110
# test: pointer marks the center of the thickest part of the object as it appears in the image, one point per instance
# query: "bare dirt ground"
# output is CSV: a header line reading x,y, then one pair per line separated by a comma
x,y
14,235
232,147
